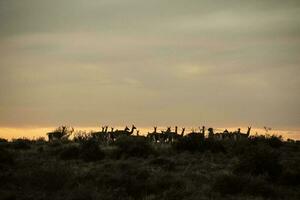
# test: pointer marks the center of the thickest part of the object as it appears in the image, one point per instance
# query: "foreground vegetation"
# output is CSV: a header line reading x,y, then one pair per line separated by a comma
x,y
133,167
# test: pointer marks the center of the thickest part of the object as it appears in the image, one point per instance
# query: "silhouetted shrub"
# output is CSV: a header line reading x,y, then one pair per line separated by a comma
x,y
164,163
291,173
229,184
49,178
190,143
259,160
6,157
257,186
271,140
40,141
90,151
134,146
274,141
21,143
124,179
7,195
196,143
70,152
3,140
215,146
290,177
164,182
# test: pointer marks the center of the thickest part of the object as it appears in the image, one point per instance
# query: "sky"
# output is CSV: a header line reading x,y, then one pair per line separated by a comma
x,y
160,62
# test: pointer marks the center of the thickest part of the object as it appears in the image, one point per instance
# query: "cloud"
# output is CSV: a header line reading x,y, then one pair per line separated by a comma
x,y
222,62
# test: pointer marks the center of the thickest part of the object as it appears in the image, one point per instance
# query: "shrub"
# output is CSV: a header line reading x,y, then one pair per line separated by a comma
x,y
3,140
291,173
196,143
215,146
290,177
271,140
134,146
189,143
229,184
164,163
259,160
123,180
6,157
90,151
257,186
70,152
21,143
50,178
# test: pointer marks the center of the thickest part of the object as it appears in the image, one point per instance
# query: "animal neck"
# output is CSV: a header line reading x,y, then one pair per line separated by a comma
x,y
132,129
248,131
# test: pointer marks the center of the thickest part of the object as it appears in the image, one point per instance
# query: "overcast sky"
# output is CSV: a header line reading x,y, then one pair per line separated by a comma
x,y
154,62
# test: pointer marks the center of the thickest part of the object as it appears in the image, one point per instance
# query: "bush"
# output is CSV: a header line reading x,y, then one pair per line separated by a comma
x,y
291,173
123,180
163,163
90,151
134,146
259,160
51,178
190,143
21,143
271,140
231,184
70,152
3,140
196,143
6,157
215,146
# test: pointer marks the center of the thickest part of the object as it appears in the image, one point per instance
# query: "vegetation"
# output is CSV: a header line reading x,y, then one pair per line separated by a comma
x,y
136,167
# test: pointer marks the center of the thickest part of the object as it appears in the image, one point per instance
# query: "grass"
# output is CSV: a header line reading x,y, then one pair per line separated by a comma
x,y
133,168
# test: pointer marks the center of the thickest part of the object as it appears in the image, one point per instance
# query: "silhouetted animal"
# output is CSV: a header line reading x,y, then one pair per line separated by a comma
x,y
126,131
155,136
238,135
62,132
101,136
170,136
198,135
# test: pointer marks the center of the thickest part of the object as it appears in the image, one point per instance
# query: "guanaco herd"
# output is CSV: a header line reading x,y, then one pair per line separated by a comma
x,y
165,136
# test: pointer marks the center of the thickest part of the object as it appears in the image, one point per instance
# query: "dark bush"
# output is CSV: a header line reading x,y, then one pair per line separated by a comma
x,y
257,186
215,146
90,151
196,143
290,177
21,143
3,140
134,146
124,179
259,160
49,178
164,163
70,152
275,141
271,140
6,157
190,143
291,173
229,184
